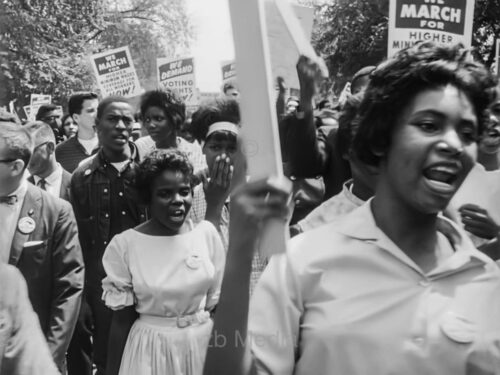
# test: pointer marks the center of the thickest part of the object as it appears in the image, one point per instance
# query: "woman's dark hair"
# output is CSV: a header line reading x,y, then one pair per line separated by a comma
x,y
64,118
173,106
155,164
220,109
395,82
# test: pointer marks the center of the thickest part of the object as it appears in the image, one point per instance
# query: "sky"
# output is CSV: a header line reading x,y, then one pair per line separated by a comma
x,y
213,41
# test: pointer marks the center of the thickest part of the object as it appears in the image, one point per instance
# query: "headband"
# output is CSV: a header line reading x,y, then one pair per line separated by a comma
x,y
223,125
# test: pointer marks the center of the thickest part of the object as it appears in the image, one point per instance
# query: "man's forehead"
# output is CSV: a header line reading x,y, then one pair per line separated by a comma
x,y
118,108
90,103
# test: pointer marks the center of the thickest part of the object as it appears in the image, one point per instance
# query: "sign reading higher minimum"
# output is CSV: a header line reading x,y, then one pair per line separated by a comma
x,y
442,21
115,73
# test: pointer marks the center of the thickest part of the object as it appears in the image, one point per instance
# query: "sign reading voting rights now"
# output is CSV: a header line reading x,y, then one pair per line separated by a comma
x,y
178,75
442,21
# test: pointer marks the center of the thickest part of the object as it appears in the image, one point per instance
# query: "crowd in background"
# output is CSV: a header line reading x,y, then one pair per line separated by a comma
x,y
136,229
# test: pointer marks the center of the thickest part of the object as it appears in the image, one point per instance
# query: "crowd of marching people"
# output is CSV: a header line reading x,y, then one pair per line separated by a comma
x,y
129,236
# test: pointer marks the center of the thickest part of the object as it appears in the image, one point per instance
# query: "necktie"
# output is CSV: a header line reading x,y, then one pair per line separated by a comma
x,y
42,184
9,199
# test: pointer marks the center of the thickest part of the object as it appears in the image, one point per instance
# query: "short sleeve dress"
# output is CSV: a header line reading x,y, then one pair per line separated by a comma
x,y
173,281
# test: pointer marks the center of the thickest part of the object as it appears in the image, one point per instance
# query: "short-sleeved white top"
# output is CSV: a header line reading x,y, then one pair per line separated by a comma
x,y
346,300
146,145
166,276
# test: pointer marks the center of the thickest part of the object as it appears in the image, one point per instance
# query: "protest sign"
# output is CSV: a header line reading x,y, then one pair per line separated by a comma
x,y
497,57
179,75
208,96
255,80
442,21
115,73
27,111
36,101
283,47
228,71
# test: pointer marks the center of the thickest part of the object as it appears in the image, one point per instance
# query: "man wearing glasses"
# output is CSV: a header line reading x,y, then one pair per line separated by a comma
x,y
39,236
46,172
105,202
82,108
49,114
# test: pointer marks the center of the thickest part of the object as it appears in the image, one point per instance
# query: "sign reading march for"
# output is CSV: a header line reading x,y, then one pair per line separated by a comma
x,y
442,21
115,73
178,75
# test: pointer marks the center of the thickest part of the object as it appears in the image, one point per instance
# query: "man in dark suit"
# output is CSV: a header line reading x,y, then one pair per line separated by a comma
x,y
23,349
39,236
46,172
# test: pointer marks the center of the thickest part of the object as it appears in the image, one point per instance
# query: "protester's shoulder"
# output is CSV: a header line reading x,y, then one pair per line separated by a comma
x,y
144,141
66,145
85,167
10,275
54,204
206,228
326,241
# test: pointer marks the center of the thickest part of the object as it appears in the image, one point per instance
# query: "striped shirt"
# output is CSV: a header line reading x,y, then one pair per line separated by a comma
x,y
70,153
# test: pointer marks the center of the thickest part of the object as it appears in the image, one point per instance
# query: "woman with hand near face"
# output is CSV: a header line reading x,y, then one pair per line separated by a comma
x,y
163,277
394,288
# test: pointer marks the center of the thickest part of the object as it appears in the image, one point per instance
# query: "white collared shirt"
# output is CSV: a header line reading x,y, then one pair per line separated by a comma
x,y
331,209
346,300
9,216
53,181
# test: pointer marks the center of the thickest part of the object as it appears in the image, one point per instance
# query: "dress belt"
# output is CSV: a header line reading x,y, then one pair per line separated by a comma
x,y
183,321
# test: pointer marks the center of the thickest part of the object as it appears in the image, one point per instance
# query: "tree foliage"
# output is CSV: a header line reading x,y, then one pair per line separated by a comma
x,y
350,34
45,44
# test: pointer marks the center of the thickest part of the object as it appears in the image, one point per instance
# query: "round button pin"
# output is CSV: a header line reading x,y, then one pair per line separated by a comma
x,y
26,225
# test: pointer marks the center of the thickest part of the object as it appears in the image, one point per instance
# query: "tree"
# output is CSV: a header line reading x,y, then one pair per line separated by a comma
x,y
350,34
45,43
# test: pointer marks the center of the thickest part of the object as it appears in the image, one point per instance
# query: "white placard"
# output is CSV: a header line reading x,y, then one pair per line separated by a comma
x,y
260,126
178,74
443,21
36,101
228,69
115,73
285,46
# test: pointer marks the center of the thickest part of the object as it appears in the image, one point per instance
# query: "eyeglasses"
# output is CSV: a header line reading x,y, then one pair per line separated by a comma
x,y
40,145
7,160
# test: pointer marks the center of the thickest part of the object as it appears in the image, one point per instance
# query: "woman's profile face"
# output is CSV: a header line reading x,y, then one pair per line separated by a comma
x,y
433,149
157,124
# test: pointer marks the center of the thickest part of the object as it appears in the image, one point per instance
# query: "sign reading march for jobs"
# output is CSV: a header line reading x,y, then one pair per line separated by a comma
x,y
178,75
115,73
441,21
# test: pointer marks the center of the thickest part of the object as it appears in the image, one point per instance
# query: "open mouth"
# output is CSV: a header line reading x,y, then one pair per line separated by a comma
x,y
177,215
442,178
121,139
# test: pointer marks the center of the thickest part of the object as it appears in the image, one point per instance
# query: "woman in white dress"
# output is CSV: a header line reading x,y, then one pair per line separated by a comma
x,y
163,278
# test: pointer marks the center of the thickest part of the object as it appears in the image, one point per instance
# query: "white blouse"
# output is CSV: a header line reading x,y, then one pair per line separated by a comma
x,y
346,300
166,276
